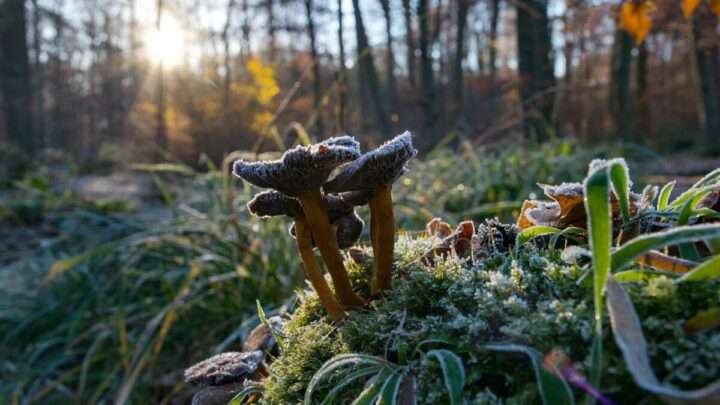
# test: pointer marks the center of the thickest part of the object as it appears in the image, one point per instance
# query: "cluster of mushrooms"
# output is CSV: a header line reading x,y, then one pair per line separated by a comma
x,y
318,186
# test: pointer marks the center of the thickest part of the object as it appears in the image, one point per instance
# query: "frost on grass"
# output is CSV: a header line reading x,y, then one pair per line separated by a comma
x,y
541,299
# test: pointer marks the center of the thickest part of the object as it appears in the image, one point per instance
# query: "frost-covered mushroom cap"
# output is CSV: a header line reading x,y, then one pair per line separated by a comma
x,y
379,167
300,169
224,368
274,203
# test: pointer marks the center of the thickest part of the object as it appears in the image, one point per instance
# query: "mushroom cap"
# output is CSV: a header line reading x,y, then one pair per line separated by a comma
x,y
274,203
378,167
225,368
300,169
349,229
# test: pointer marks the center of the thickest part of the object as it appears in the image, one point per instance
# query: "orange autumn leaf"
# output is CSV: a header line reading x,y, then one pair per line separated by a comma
x,y
689,7
635,19
715,7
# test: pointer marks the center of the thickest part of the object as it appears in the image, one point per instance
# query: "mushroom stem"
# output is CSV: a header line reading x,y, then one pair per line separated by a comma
x,y
325,239
382,234
312,270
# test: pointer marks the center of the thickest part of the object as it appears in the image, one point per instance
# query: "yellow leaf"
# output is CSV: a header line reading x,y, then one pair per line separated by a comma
x,y
634,18
689,7
715,7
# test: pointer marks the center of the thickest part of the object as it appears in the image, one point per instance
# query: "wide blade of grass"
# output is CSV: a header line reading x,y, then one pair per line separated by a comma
x,y
553,390
643,244
664,197
620,179
453,373
530,233
708,270
629,337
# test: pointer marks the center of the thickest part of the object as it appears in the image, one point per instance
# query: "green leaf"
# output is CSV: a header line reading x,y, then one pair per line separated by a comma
x,y
643,244
553,390
620,179
631,341
635,276
531,233
264,321
597,205
710,181
349,359
372,389
665,195
347,380
453,373
707,270
391,388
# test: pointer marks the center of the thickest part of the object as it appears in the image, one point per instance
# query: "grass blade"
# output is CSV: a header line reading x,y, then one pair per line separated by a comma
x,y
620,179
708,270
372,389
530,233
337,362
553,390
631,341
391,388
707,319
643,244
453,373
665,192
597,205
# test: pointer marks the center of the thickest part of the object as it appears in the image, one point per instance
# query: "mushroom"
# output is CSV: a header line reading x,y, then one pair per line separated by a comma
x,y
374,173
347,224
275,203
225,368
300,173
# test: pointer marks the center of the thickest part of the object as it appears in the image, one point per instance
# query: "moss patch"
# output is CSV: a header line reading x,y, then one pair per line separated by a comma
x,y
541,299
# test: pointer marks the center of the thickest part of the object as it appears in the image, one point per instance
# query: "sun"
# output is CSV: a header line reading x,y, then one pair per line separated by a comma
x,y
167,44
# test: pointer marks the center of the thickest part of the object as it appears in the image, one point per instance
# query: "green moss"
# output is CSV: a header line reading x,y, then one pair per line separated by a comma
x,y
537,300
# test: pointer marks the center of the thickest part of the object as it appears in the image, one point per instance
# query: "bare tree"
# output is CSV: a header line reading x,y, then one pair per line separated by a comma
x,y
368,73
537,79
390,81
620,101
427,84
227,67
462,9
15,75
160,122
494,17
342,79
409,42
317,125
708,71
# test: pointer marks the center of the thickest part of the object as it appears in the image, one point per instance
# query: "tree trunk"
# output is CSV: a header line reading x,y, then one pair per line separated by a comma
x,y
342,80
621,104
317,125
708,79
643,97
368,73
245,48
271,30
463,7
226,57
15,75
409,42
390,82
39,76
426,66
535,67
494,17
160,123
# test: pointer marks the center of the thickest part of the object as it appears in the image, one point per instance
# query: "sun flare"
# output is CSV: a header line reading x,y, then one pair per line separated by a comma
x,y
166,45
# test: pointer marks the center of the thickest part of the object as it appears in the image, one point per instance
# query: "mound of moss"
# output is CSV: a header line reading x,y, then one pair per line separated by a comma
x,y
541,299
